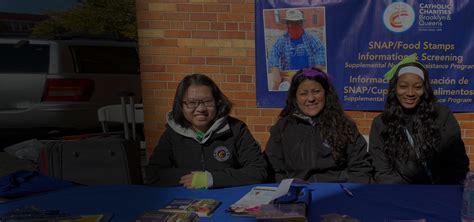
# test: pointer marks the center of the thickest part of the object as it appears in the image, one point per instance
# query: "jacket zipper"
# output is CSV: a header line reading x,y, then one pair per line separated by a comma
x,y
203,164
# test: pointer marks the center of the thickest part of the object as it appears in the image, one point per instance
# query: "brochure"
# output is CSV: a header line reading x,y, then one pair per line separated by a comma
x,y
250,203
156,216
202,207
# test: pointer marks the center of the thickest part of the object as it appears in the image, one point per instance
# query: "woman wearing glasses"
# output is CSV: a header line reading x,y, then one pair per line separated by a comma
x,y
202,145
314,140
416,140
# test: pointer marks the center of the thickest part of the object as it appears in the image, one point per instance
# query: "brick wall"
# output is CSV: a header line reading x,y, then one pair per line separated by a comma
x,y
214,37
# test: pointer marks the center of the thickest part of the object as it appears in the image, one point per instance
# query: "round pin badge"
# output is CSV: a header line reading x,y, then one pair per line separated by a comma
x,y
221,153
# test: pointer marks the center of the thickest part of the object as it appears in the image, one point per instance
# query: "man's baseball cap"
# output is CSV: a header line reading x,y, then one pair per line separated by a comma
x,y
294,15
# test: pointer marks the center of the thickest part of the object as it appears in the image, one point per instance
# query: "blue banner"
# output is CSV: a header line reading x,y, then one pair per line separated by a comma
x,y
358,41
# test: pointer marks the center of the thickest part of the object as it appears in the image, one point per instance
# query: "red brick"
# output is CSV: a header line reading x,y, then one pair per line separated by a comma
x,y
217,25
154,85
205,52
177,24
231,1
203,16
189,25
468,141
251,53
246,79
464,116
203,25
249,35
231,35
371,114
250,70
205,34
271,112
466,125
232,70
163,77
179,69
249,17
177,34
247,112
239,103
232,78
189,7
245,26
231,26
146,76
206,69
219,61
164,42
143,25
355,114
165,59
152,68
168,1
148,15
159,24
259,120
235,87
191,60
146,59
216,8
259,128
176,16
469,133
245,95
164,51
244,61
242,8
231,17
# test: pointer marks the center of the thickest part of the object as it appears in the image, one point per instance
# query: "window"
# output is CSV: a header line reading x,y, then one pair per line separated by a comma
x,y
105,59
24,58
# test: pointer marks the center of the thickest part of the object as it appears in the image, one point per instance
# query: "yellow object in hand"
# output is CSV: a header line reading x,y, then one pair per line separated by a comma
x,y
199,180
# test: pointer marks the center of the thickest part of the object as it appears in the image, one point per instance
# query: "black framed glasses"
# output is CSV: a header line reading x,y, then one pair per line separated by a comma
x,y
192,104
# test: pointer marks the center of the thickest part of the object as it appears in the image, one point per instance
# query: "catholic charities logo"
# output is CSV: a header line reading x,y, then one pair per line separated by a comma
x,y
398,17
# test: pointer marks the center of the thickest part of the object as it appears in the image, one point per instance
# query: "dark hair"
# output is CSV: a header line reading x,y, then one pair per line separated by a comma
x,y
223,104
337,129
425,132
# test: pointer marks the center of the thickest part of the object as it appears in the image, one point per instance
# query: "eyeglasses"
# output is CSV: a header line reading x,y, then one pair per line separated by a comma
x,y
195,103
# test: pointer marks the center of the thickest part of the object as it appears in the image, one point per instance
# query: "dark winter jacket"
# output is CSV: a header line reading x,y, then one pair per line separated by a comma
x,y
228,151
295,150
448,165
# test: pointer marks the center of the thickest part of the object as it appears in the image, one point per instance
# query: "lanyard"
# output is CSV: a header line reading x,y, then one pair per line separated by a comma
x,y
418,155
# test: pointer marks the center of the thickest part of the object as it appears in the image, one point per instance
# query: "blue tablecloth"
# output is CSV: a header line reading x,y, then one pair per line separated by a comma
x,y
369,202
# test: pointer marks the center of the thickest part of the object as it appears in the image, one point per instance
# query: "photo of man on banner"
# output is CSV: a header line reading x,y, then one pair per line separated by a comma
x,y
294,39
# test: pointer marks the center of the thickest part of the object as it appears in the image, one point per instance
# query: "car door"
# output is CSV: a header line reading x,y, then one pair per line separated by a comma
x,y
23,70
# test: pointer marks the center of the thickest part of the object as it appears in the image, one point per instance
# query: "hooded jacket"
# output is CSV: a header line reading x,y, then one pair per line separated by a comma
x,y
227,151
295,150
448,164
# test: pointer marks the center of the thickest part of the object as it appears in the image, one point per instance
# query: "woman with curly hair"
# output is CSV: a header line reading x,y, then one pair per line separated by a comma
x,y
313,139
416,140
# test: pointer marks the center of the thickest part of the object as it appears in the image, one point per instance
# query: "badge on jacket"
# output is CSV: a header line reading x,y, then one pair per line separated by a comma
x,y
221,153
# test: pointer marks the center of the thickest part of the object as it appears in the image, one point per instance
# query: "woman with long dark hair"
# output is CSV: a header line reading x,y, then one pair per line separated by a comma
x,y
202,146
415,140
313,139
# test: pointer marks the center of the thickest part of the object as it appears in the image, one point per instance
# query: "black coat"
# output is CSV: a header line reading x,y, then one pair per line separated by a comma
x,y
295,150
448,165
231,155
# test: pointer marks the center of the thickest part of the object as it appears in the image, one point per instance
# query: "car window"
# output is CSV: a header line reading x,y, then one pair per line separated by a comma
x,y
105,59
24,58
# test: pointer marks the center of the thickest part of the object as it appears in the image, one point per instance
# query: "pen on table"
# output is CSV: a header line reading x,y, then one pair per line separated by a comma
x,y
346,190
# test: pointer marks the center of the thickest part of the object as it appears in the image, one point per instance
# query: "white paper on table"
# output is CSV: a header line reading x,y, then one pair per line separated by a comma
x,y
264,195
